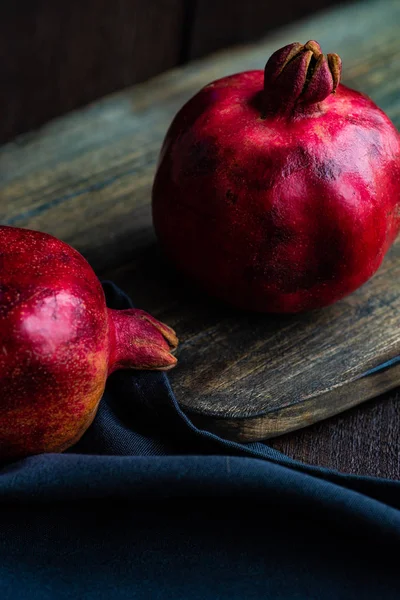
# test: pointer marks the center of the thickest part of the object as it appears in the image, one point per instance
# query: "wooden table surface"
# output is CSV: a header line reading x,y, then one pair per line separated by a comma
x,y
86,178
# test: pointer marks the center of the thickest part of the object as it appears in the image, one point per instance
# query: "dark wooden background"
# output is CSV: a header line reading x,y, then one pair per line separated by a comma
x,y
58,55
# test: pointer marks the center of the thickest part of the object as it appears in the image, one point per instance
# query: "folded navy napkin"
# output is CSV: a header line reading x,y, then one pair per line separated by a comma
x,y
148,506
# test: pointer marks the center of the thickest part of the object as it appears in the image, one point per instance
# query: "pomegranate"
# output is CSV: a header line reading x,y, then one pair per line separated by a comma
x,y
59,342
279,190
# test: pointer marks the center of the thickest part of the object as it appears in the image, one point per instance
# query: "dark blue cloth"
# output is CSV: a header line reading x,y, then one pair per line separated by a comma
x,y
148,506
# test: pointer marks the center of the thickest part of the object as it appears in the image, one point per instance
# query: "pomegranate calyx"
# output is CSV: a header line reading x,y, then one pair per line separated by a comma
x,y
299,75
139,341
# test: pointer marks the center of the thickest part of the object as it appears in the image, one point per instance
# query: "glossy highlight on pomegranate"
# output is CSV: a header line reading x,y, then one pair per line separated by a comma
x,y
279,190
59,342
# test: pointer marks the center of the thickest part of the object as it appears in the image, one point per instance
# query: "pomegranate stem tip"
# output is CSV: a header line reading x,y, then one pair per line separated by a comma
x,y
300,75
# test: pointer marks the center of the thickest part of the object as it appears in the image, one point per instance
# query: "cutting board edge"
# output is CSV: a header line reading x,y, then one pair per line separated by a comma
x,y
312,410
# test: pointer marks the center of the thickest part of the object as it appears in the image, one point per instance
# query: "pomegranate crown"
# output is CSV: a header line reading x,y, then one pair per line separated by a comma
x,y
300,74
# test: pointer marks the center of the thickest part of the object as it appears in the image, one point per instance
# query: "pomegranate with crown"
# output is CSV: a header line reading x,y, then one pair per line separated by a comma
x,y
279,190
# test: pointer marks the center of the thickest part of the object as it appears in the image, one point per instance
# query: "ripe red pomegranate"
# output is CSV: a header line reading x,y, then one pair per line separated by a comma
x,y
59,342
279,190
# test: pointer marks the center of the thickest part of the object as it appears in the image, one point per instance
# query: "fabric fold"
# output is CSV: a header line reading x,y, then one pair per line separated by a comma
x,y
266,525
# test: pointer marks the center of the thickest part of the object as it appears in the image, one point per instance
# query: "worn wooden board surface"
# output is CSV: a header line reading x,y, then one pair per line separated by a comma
x,y
87,177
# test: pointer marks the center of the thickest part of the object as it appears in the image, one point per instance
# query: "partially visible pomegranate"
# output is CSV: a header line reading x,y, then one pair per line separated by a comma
x,y
279,190
59,342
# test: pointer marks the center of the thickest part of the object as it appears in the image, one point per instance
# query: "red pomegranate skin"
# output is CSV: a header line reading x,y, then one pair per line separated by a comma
x,y
276,202
59,342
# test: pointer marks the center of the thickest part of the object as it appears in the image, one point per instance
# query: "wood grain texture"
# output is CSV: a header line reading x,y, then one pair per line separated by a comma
x,y
87,178
364,440
221,23
59,55
56,56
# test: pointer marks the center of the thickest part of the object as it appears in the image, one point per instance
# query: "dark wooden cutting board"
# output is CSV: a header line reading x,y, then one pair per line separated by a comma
x,y
258,376
86,178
